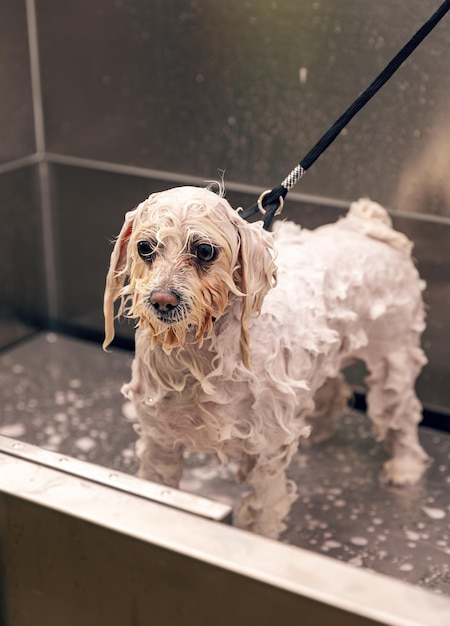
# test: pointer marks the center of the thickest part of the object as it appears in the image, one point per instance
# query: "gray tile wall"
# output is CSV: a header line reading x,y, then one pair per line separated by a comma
x,y
199,86
16,106
22,281
23,297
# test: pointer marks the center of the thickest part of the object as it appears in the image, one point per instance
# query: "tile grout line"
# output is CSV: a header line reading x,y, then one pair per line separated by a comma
x,y
177,177
17,164
35,77
236,187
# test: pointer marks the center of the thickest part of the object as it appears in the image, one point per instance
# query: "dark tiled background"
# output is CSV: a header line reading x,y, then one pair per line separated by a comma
x,y
137,96
23,297
192,87
16,104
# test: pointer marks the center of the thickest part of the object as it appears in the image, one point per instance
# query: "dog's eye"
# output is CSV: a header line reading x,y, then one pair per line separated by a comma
x,y
205,252
145,250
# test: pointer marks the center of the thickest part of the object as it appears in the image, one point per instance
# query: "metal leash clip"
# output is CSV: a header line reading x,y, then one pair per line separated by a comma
x,y
260,203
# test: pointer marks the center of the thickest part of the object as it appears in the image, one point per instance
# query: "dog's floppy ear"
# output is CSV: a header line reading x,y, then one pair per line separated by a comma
x,y
117,275
256,276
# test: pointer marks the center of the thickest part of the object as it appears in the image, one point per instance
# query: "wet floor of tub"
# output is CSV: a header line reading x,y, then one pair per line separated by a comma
x,y
64,395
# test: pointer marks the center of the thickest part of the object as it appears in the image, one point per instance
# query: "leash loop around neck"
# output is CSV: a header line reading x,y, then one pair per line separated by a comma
x,y
270,203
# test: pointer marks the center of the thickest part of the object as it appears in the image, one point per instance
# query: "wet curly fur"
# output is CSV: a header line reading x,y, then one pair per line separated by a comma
x,y
242,335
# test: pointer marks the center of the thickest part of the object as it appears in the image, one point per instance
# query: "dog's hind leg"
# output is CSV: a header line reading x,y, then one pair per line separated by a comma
x,y
331,401
396,411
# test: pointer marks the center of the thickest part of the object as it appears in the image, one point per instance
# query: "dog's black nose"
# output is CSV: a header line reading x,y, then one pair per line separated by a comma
x,y
163,300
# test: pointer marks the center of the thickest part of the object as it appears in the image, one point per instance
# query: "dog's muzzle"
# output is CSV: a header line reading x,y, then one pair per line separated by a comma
x,y
167,306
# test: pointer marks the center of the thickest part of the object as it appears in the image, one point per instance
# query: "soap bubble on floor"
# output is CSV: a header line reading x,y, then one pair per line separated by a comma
x,y
85,444
15,431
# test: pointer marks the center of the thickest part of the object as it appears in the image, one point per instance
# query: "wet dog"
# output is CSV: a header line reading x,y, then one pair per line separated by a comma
x,y
242,335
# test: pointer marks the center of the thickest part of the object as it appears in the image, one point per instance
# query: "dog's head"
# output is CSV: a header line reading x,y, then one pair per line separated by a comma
x,y
180,258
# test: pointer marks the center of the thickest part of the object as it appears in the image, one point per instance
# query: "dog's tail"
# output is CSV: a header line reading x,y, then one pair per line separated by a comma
x,y
370,219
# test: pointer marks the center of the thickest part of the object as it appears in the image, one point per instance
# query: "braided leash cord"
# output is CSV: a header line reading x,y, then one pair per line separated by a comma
x,y
270,203
293,178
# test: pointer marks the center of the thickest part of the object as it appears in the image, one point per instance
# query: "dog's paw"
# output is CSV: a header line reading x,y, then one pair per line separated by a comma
x,y
266,516
403,471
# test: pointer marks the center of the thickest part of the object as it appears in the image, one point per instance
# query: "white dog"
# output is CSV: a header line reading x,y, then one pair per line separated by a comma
x,y
242,335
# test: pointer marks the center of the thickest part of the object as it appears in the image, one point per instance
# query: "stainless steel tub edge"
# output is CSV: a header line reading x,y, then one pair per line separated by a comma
x,y
74,550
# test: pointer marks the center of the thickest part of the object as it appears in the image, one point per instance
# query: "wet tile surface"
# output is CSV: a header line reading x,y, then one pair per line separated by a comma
x,y
64,395
346,512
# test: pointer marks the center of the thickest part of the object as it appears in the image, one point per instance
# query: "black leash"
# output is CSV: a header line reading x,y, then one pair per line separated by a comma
x,y
270,203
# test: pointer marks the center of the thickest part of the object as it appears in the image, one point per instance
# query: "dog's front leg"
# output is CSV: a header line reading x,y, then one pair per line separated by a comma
x,y
161,460
264,510
160,457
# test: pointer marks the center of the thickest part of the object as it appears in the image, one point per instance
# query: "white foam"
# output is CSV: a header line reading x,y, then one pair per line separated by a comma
x,y
434,513
406,567
129,412
331,545
13,430
359,541
85,444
